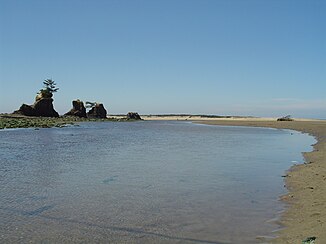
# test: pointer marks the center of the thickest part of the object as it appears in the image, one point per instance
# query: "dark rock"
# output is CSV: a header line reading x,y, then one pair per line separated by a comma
x,y
98,111
132,115
78,109
43,107
26,110
309,240
285,118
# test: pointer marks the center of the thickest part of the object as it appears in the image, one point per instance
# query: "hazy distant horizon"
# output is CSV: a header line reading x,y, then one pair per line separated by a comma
x,y
242,58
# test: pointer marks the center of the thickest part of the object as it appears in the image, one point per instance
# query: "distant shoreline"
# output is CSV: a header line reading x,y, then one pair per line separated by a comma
x,y
213,118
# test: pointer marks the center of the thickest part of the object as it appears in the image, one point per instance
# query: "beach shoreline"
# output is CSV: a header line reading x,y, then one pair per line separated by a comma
x,y
305,215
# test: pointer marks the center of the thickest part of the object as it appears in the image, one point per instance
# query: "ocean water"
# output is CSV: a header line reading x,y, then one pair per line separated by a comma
x,y
144,182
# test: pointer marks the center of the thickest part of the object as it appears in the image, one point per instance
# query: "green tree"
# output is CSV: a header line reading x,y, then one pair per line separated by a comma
x,y
49,88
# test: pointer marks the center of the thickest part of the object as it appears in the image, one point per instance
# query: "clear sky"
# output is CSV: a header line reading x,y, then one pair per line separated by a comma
x,y
225,57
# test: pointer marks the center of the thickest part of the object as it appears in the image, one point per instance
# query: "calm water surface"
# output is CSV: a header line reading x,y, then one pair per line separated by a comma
x,y
154,182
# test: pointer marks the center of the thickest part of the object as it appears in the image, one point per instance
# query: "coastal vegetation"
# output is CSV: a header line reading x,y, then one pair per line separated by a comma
x,y
8,121
49,89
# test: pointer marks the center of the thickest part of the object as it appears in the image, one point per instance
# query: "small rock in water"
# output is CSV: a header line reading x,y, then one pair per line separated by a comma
x,y
133,115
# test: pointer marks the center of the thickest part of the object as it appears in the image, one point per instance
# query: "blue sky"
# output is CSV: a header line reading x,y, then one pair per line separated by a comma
x,y
259,58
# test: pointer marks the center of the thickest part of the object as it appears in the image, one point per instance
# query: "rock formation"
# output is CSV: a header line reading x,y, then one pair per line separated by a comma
x,y
43,107
78,109
25,109
132,115
97,111
285,118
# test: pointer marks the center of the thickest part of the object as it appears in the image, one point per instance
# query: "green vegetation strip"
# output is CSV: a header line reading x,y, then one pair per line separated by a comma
x,y
9,121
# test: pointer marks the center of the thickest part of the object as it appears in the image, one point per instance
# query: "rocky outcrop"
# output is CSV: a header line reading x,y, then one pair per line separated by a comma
x,y
285,118
132,115
97,111
43,94
78,109
26,110
43,107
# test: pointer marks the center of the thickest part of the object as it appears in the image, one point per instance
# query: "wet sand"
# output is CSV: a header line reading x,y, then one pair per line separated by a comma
x,y
306,214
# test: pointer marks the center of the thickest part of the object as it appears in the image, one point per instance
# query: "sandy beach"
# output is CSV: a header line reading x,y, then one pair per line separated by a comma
x,y
306,212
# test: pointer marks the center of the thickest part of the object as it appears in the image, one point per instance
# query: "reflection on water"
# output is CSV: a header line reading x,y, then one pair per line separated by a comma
x,y
162,182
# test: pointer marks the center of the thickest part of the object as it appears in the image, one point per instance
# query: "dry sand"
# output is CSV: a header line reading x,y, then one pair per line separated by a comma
x,y
306,214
